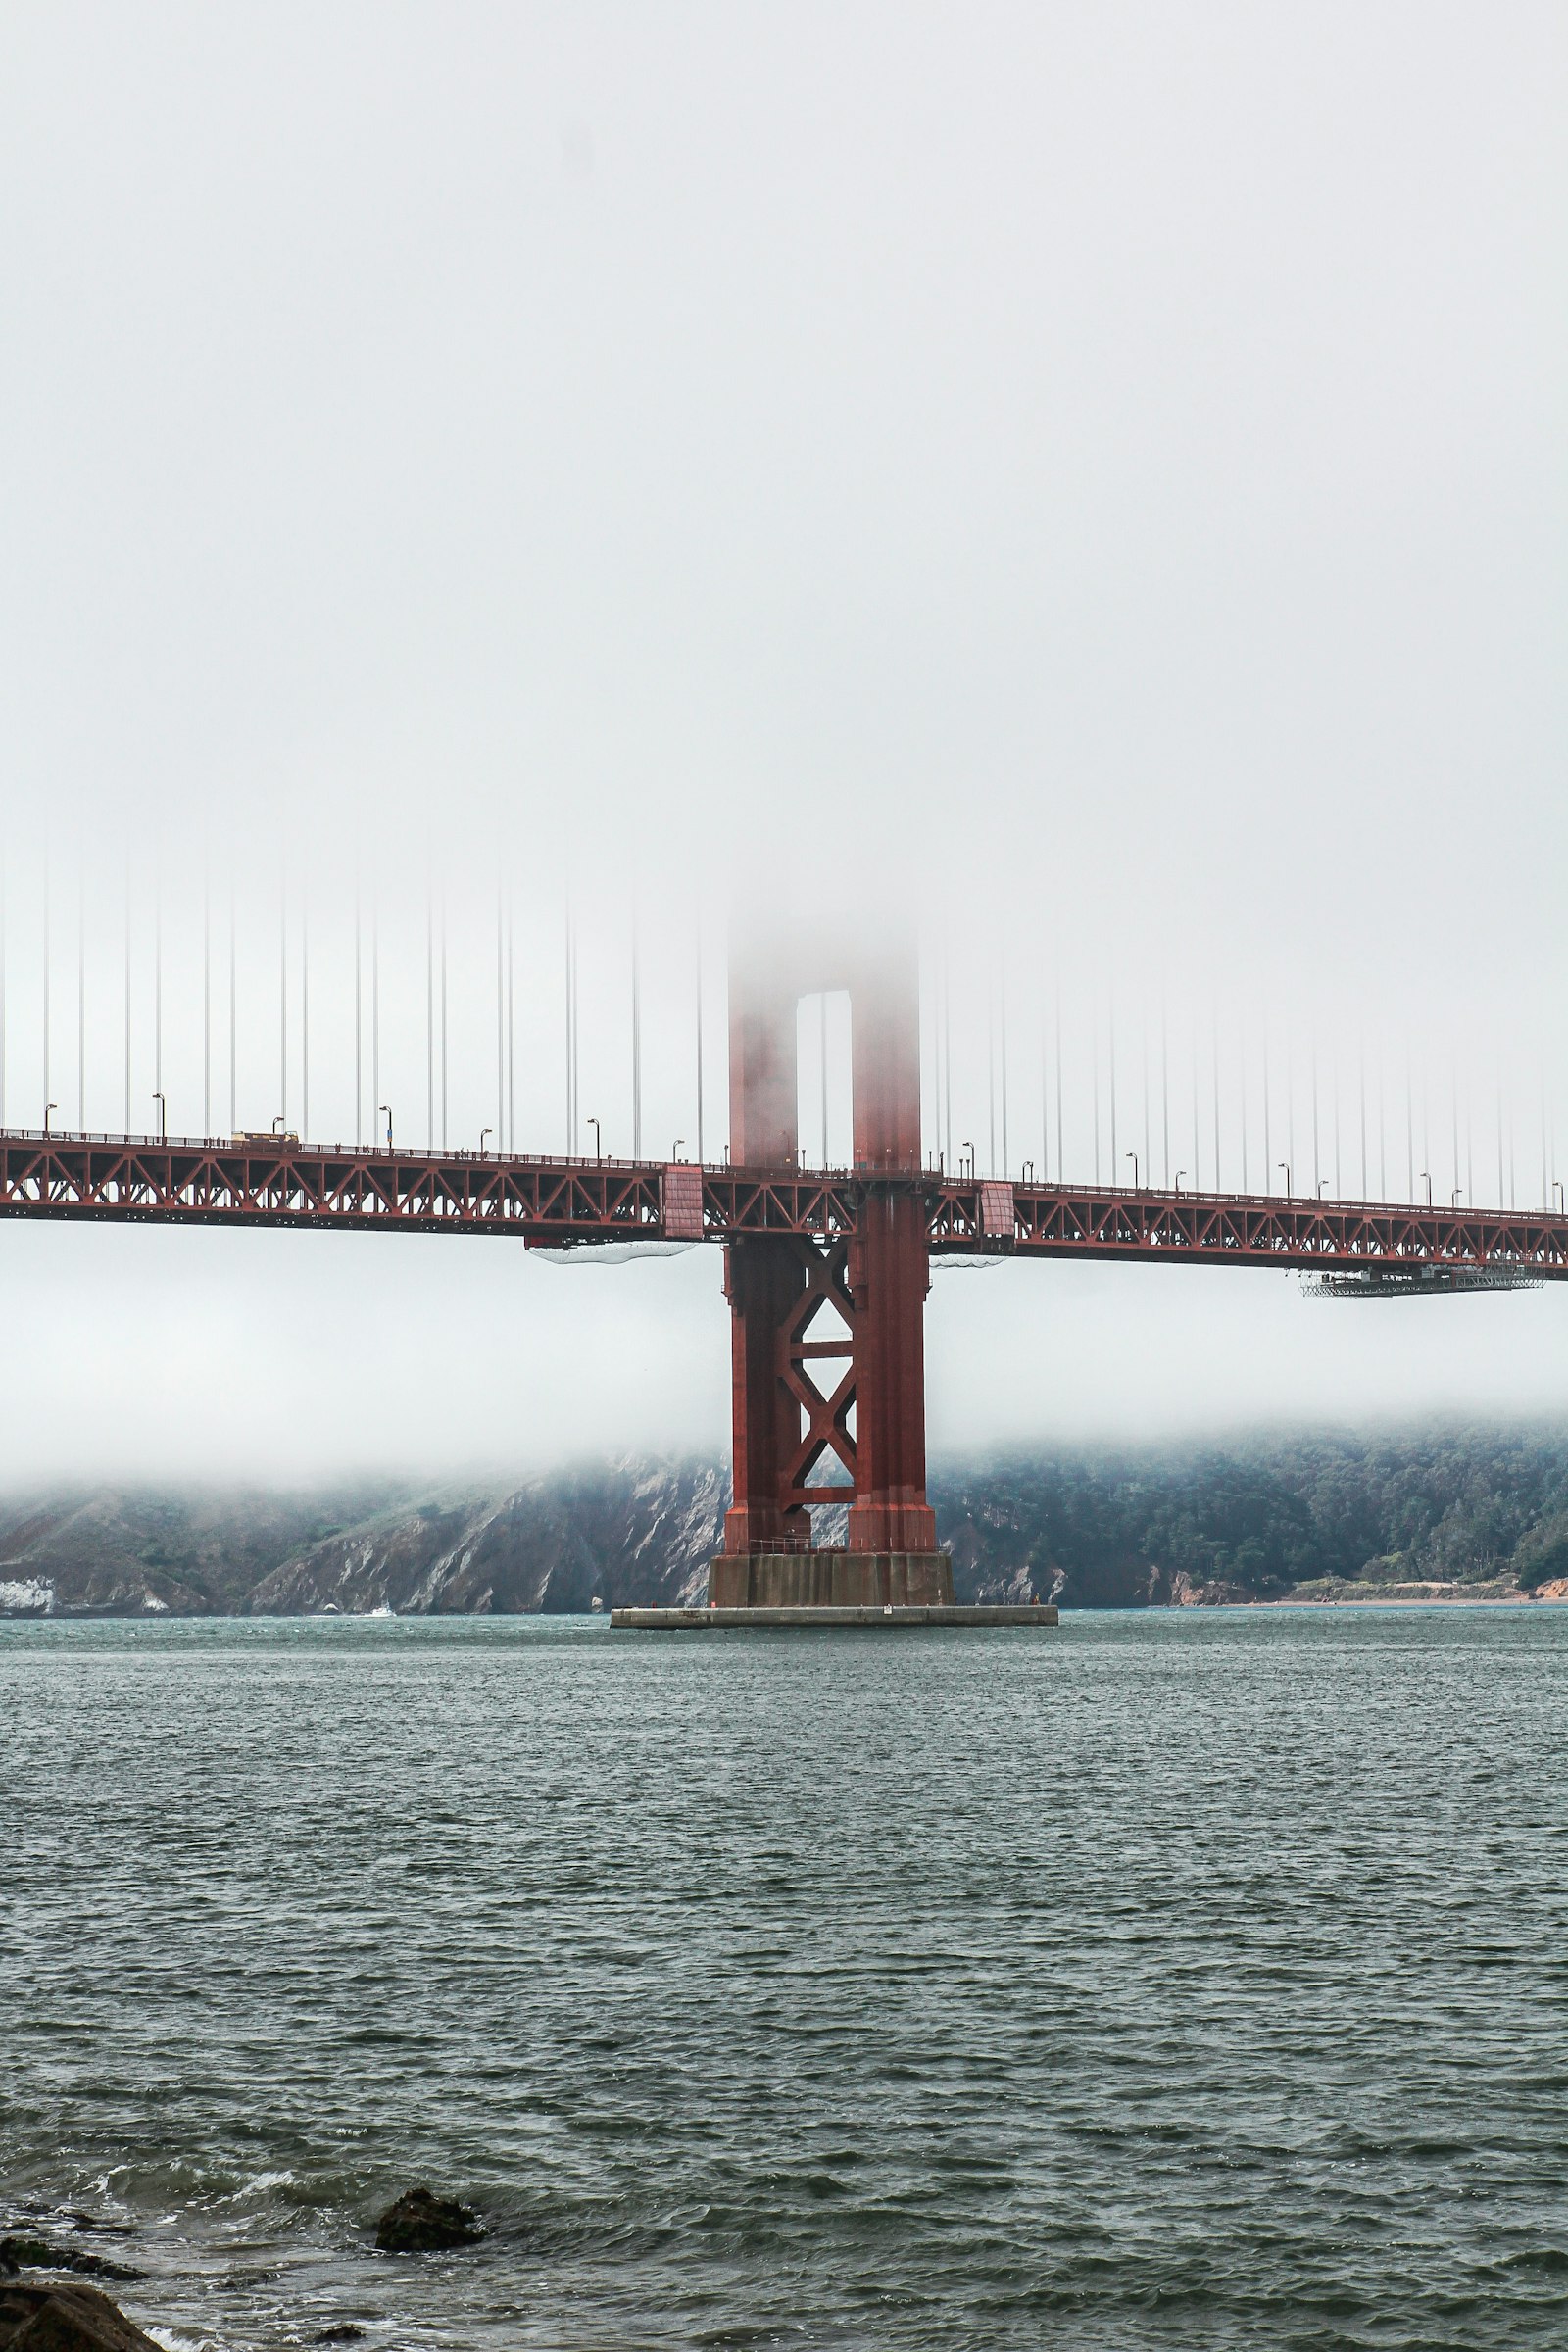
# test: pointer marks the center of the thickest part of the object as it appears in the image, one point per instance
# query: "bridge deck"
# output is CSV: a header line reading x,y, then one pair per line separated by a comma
x,y
561,1203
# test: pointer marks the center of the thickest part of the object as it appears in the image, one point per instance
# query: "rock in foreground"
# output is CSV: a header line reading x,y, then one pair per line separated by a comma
x,y
38,2254
54,2318
422,2223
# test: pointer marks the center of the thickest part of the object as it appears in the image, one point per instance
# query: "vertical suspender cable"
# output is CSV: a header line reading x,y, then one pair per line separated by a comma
x,y
1002,985
571,1043
1060,1155
1290,1094
46,980
127,990
375,1008
82,1000
429,1014
1045,1095
700,1153
511,1035
1143,1040
1316,1168
1094,1033
1197,1107
1268,1148
233,1016
1410,1121
1241,1081
991,1073
821,1034
1214,1061
206,989
282,994
947,1055
305,1009
359,1016
1111,1057
3,946
1164,1088
1361,1057
501,1019
636,1040
443,1011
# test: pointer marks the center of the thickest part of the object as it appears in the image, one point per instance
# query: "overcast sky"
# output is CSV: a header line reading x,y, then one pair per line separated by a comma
x,y
1093,475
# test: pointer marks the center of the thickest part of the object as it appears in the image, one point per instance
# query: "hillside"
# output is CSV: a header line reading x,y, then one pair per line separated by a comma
x,y
1320,1514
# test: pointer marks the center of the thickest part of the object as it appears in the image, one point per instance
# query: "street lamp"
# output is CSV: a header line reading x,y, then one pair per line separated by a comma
x,y
674,1149
163,1114
1180,1173
1453,1197
599,1150
1322,1186
1556,1185
387,1107
47,1108
1427,1181
1133,1157
966,1146
483,1132
1284,1167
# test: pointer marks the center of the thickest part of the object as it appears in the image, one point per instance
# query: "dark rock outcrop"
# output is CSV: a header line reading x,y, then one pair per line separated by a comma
x,y
421,2222
38,2254
49,2316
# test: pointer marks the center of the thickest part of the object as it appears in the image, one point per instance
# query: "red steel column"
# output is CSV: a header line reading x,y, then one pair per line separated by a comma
x,y
763,1279
889,1265
762,1276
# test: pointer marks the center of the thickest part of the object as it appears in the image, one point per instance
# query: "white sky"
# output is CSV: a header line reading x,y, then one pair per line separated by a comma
x,y
1093,473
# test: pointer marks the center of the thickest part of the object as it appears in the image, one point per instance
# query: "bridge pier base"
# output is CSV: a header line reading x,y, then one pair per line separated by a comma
x,y
830,1580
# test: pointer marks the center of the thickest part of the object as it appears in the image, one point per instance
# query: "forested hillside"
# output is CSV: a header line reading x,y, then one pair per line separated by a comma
x,y
1310,1514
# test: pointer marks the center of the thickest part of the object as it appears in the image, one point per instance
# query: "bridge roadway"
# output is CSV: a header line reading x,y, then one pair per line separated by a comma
x,y
561,1202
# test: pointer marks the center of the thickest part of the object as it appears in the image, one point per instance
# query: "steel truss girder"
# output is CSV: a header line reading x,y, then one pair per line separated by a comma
x,y
562,1202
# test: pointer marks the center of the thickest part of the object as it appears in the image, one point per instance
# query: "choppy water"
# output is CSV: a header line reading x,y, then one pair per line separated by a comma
x,y
1191,1980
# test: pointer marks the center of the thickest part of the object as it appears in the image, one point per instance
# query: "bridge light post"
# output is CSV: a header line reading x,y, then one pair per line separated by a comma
x,y
1322,1186
483,1132
387,1108
1284,1167
1453,1197
1133,1157
47,1108
674,1149
1180,1173
1427,1181
969,1148
599,1150
1556,1185
163,1114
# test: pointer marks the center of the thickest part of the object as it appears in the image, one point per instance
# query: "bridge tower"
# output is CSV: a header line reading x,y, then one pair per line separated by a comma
x,y
805,1397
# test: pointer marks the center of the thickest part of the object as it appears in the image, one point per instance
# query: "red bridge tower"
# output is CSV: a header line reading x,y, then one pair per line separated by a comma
x,y
804,1396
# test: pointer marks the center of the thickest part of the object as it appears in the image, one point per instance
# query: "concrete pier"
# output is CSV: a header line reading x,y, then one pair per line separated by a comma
x,y
830,1580
891,1617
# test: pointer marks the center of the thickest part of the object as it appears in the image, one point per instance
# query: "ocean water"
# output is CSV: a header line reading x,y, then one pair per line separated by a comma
x,y
1172,1979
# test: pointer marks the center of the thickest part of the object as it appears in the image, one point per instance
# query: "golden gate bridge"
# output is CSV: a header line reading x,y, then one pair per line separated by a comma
x,y
826,1268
